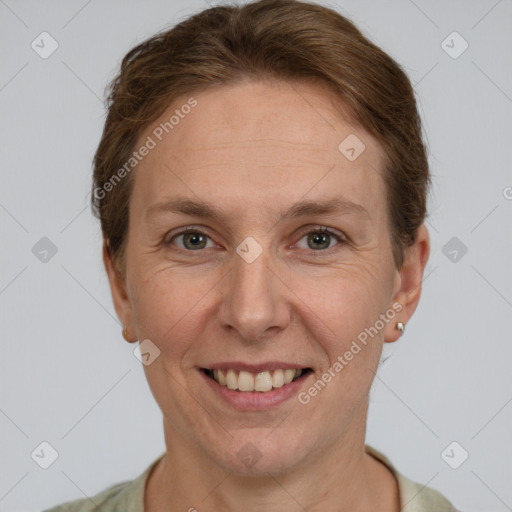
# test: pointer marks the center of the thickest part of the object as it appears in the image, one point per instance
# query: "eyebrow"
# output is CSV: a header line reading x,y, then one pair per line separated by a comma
x,y
335,205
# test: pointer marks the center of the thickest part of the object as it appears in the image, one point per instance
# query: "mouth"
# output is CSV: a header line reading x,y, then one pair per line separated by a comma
x,y
256,382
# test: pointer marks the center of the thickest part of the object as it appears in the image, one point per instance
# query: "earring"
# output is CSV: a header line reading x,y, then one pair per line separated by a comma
x,y
125,335
401,327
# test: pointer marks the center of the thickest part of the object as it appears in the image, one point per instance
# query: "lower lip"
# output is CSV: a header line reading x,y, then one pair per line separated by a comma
x,y
256,400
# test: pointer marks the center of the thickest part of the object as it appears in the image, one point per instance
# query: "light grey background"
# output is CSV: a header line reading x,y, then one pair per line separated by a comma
x,y
67,376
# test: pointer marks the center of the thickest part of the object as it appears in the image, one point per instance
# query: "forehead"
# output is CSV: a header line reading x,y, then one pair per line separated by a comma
x,y
267,142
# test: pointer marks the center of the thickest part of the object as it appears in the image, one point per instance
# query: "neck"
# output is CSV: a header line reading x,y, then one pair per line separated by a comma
x,y
343,479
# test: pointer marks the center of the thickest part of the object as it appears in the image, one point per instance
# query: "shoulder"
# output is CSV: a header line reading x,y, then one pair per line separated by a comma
x,y
127,496
108,500
414,497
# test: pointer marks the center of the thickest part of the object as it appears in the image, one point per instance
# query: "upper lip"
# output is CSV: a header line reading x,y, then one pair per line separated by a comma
x,y
255,368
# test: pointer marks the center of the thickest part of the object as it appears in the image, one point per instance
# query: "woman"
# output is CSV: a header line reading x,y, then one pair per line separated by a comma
x,y
261,184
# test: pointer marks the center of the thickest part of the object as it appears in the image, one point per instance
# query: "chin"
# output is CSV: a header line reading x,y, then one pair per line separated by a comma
x,y
260,452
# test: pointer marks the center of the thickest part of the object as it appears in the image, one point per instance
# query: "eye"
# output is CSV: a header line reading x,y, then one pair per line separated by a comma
x,y
192,239
320,239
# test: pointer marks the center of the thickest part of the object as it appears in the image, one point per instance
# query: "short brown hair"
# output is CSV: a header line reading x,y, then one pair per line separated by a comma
x,y
283,39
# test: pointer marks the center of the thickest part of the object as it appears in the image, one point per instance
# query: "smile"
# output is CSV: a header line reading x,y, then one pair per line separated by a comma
x,y
262,382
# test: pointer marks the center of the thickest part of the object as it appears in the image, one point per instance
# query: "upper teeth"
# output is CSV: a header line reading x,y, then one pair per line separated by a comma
x,y
262,381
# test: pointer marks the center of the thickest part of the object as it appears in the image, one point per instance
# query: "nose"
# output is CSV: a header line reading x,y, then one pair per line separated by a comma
x,y
254,301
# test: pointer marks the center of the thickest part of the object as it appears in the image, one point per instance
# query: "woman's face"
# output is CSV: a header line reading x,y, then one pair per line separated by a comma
x,y
253,288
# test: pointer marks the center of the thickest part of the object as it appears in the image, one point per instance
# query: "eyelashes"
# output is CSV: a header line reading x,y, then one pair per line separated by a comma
x,y
323,232
317,235
187,231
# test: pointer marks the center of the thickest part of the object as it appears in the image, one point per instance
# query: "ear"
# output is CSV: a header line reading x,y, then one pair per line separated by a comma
x,y
408,283
120,297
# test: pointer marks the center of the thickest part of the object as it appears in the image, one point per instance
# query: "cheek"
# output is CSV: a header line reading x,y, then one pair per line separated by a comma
x,y
344,300
168,307
339,312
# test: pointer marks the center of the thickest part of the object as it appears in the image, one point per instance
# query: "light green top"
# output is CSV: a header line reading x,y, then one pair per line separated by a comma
x,y
129,496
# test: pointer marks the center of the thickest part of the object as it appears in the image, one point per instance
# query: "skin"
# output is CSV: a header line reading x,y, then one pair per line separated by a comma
x,y
254,149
